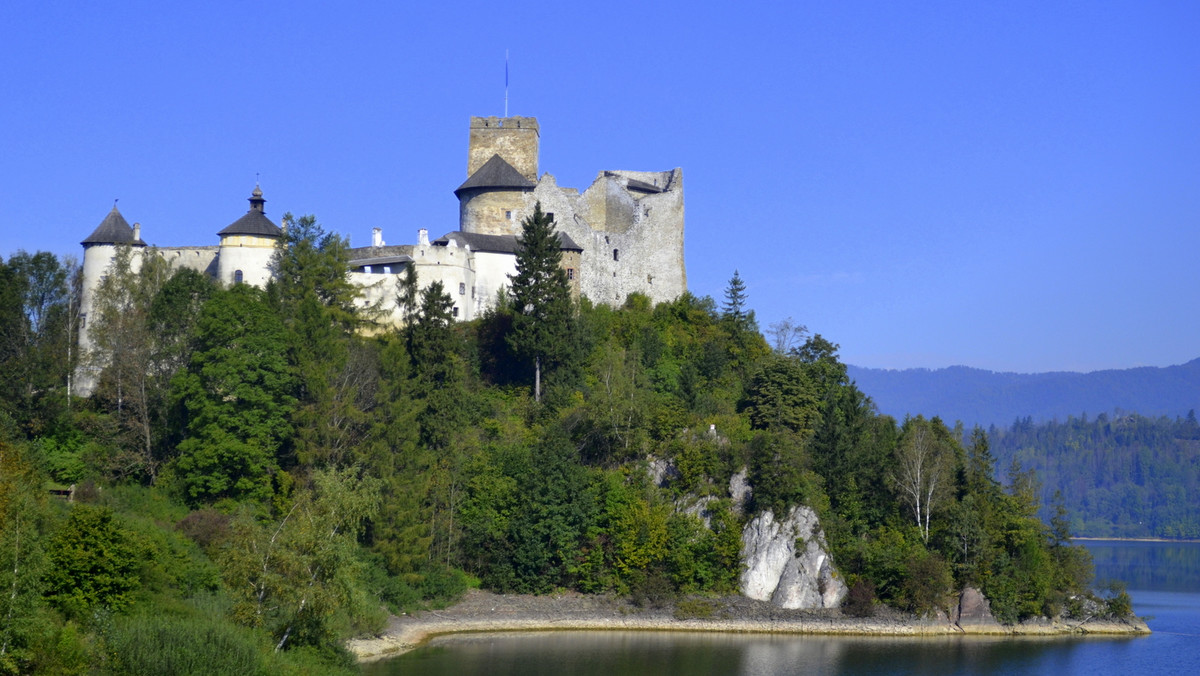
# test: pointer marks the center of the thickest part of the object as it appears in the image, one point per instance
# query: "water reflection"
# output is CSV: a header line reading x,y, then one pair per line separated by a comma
x,y
646,653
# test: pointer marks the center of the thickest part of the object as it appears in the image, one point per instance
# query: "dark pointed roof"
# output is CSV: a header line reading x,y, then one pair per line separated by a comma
x,y
255,222
496,173
498,243
114,229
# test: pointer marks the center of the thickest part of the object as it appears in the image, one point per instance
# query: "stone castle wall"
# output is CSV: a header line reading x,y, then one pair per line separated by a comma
x,y
513,138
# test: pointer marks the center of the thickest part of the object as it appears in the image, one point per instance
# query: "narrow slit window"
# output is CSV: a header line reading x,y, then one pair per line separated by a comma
x,y
616,254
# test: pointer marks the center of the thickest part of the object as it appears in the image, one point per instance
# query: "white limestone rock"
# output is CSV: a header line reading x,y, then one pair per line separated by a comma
x,y
786,562
739,490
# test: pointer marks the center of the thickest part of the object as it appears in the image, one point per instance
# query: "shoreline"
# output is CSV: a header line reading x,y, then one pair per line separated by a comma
x,y
480,612
1171,540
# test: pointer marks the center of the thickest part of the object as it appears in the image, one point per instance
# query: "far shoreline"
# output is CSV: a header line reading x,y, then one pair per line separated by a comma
x,y
1114,539
485,612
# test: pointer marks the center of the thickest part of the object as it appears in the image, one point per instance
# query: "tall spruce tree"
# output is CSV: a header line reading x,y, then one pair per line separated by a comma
x,y
542,312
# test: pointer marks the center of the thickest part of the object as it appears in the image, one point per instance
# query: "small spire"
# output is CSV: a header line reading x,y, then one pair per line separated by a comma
x,y
256,199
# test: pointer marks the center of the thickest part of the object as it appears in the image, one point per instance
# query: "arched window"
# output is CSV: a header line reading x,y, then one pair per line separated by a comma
x,y
237,276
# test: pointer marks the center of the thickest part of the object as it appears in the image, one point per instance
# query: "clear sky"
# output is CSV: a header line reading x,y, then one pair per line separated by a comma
x,y
1012,185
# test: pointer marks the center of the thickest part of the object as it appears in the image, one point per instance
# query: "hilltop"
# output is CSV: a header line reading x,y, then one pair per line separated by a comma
x,y
981,397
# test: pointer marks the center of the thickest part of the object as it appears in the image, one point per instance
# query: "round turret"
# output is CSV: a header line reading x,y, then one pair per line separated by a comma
x,y
247,246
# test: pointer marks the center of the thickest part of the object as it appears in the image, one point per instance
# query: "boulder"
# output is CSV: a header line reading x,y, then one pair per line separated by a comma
x,y
973,609
787,564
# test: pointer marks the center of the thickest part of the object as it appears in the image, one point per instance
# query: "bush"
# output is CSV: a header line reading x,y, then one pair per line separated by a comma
x,y
694,609
1118,604
206,527
651,589
860,602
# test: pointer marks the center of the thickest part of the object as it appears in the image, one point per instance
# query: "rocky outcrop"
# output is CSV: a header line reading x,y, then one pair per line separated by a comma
x,y
739,490
973,609
787,563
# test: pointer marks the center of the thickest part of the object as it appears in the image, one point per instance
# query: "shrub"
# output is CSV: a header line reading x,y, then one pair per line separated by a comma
x,y
93,562
694,609
860,602
206,527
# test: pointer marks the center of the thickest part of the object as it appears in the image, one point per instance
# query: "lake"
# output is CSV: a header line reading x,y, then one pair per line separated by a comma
x,y
1164,579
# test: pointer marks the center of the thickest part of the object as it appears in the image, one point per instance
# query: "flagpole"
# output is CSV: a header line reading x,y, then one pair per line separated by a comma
x,y
506,83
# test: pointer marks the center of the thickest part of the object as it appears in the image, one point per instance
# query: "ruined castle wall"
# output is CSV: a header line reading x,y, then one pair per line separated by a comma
x,y
637,247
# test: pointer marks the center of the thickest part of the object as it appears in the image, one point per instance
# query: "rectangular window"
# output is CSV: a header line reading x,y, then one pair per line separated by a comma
x,y
456,311
570,273
508,215
616,255
462,289
550,215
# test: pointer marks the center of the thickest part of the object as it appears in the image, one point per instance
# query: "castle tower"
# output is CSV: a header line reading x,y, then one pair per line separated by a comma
x,y
99,250
247,246
502,166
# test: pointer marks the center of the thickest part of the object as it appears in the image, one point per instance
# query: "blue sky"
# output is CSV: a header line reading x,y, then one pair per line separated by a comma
x,y
1012,186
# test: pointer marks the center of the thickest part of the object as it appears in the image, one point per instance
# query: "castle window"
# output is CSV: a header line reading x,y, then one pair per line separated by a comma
x,y
616,255
456,311
462,289
508,215
550,215
237,276
83,320
570,273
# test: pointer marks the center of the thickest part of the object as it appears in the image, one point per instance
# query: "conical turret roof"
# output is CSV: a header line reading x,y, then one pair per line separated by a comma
x,y
496,174
255,222
114,229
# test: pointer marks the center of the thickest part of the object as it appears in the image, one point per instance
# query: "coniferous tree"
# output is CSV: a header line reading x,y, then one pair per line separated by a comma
x,y
312,291
542,312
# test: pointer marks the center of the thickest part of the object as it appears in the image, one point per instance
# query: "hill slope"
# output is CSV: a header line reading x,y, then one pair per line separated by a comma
x,y
976,396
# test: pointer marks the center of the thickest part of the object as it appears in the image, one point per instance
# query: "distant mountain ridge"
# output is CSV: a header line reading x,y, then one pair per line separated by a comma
x,y
976,396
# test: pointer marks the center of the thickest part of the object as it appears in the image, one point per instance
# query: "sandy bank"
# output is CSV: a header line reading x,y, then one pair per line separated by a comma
x,y
483,611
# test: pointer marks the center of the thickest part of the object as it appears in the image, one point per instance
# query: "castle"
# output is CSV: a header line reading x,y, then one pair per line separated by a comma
x,y
623,234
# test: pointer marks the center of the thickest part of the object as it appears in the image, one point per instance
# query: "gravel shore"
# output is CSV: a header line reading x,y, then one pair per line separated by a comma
x,y
481,611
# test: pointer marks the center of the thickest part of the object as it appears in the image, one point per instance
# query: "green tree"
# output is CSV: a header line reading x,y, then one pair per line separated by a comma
x,y
734,308
297,575
131,387
37,315
237,394
924,476
336,381
93,562
780,394
23,526
543,320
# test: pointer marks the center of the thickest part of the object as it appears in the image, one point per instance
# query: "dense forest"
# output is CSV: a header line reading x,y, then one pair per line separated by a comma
x,y
986,398
1121,475
261,472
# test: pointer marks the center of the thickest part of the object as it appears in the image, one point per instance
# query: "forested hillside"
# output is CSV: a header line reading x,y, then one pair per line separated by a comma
x,y
1123,475
260,472
978,397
